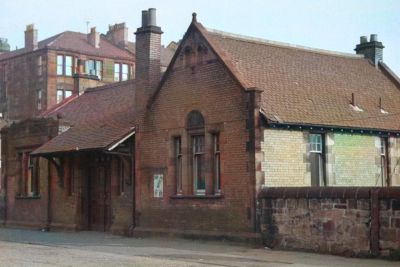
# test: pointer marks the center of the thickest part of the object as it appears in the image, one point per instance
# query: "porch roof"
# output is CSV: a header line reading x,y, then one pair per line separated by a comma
x,y
101,136
96,120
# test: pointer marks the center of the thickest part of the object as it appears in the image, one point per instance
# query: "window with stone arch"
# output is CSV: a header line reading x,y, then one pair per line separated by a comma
x,y
196,128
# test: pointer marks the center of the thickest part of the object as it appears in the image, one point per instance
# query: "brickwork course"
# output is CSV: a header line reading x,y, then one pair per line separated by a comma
x,y
125,156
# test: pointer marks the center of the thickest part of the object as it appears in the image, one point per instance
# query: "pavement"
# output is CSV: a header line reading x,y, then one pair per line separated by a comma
x,y
35,248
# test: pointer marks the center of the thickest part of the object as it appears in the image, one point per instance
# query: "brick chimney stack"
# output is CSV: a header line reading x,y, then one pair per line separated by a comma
x,y
94,38
148,50
372,50
118,34
31,34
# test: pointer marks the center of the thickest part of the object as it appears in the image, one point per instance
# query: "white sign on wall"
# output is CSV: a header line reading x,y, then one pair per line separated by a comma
x,y
158,185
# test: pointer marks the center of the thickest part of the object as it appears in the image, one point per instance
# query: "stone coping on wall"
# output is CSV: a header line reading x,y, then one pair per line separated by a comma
x,y
329,192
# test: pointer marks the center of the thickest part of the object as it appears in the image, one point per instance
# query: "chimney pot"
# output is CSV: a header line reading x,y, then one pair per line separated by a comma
x,y
152,17
374,38
372,50
144,18
363,39
148,58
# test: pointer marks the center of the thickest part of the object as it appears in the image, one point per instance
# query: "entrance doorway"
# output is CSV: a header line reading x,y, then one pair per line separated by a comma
x,y
100,194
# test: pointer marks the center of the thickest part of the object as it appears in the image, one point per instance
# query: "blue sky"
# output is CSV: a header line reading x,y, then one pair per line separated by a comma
x,y
328,24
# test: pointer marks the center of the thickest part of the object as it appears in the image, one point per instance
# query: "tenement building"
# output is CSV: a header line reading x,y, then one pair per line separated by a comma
x,y
40,75
187,150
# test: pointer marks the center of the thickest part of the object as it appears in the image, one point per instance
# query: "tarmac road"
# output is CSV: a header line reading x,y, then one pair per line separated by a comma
x,y
35,248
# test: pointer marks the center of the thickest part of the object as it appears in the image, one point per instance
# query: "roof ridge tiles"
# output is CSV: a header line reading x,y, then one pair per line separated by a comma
x,y
256,40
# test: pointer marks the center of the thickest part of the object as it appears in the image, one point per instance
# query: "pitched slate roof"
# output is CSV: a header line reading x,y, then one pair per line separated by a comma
x,y
309,86
76,42
98,119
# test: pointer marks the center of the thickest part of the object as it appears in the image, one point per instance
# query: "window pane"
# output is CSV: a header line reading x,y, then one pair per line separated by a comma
x,y
60,95
383,146
60,64
99,69
90,68
315,143
217,174
68,66
67,93
39,99
125,72
200,179
198,144
39,66
198,172
116,72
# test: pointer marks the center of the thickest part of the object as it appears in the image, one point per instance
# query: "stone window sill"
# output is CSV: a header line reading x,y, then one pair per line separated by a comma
x,y
28,197
218,196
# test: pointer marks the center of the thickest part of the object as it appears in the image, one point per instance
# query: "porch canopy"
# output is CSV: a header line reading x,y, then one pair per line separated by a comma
x,y
99,136
99,119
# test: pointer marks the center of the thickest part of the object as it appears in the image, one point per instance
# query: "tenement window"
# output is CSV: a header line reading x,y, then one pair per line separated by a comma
x,y
317,160
29,180
64,65
63,94
121,72
68,65
94,67
39,66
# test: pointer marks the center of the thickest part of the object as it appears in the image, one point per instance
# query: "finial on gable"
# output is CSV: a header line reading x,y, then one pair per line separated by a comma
x,y
194,17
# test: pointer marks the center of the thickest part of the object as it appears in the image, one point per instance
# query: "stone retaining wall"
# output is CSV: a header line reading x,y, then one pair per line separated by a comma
x,y
338,220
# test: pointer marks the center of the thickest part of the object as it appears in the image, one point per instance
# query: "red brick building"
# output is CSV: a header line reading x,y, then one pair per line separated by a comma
x,y
41,74
188,150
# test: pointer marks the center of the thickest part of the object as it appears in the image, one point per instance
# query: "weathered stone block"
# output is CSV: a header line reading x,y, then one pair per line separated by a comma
x,y
388,234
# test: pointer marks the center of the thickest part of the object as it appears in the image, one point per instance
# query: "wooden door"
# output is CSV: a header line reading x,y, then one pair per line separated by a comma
x,y
99,206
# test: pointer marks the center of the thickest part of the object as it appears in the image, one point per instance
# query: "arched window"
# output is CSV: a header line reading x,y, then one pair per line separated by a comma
x,y
195,128
195,120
